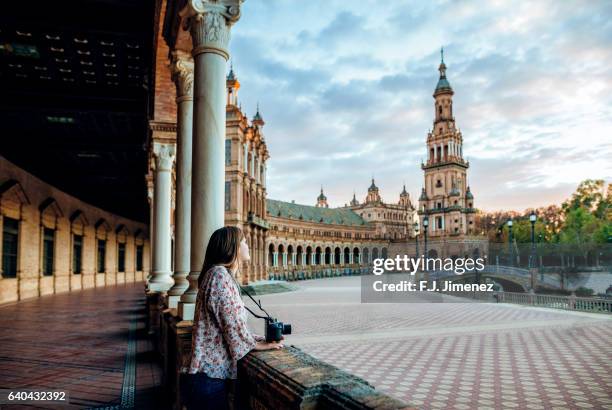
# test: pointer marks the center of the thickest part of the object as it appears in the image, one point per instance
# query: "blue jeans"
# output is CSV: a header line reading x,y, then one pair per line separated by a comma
x,y
198,391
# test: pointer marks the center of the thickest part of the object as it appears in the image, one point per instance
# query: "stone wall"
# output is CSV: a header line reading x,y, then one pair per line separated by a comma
x,y
36,206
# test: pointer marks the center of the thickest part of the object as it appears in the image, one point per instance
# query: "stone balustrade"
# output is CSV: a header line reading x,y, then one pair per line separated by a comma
x,y
275,379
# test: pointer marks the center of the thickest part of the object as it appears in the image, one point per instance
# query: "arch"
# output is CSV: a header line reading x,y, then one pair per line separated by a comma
x,y
122,230
271,254
299,251
476,253
139,234
328,256
318,259
337,256
383,253
356,255
78,217
309,255
50,208
290,255
347,256
366,255
374,253
12,190
432,253
280,259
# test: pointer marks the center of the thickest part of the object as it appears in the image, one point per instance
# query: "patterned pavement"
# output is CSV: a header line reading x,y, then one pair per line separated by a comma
x,y
454,355
91,344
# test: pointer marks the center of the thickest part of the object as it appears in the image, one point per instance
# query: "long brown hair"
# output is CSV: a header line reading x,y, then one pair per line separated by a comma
x,y
222,249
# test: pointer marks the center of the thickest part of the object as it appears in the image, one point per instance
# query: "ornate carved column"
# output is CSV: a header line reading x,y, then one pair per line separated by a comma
x,y
209,24
182,74
161,279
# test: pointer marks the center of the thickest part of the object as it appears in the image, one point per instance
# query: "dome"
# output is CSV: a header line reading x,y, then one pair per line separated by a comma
x,y
372,187
469,194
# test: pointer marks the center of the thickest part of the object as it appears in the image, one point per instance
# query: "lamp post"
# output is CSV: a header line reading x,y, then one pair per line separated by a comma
x,y
416,237
425,226
510,242
532,219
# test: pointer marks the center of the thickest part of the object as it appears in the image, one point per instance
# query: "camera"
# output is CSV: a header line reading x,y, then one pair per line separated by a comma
x,y
275,330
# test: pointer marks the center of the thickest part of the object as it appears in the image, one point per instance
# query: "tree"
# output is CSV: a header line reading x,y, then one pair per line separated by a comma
x,y
588,195
578,231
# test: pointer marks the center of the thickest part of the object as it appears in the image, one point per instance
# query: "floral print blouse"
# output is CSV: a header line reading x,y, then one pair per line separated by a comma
x,y
220,333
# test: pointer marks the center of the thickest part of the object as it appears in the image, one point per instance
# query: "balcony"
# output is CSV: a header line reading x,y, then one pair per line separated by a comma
x,y
445,161
257,221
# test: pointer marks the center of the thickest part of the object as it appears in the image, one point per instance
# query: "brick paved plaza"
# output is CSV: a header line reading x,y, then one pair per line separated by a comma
x,y
454,355
91,344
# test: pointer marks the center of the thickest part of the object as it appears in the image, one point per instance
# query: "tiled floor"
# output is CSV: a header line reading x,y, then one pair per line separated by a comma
x,y
454,355
78,342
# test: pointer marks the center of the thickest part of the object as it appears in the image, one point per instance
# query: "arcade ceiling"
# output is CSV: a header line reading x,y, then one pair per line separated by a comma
x,y
74,100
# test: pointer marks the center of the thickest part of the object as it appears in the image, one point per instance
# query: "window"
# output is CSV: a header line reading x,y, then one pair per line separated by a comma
x,y
439,205
439,183
470,205
139,252
228,195
121,257
10,240
77,254
101,255
48,242
440,109
439,223
228,152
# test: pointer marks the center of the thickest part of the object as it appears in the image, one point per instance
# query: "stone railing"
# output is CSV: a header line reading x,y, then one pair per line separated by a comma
x,y
292,379
280,379
597,305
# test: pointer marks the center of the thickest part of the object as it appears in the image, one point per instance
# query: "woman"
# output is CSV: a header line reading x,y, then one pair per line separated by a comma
x,y
220,333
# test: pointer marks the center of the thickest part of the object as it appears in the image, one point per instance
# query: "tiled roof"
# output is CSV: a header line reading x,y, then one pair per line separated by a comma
x,y
338,216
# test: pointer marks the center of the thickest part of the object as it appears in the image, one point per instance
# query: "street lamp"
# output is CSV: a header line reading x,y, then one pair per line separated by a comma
x,y
510,242
416,237
532,219
425,225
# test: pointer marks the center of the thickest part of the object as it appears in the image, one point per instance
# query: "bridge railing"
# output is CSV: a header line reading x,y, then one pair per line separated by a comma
x,y
600,305
491,269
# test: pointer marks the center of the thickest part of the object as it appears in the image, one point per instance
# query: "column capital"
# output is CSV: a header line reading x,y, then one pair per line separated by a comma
x,y
209,23
164,156
182,75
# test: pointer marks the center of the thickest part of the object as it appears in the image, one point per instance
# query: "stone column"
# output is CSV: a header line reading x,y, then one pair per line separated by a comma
x,y
209,24
161,279
182,74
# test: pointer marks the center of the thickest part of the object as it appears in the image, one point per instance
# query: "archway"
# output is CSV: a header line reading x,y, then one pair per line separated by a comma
x,y
271,255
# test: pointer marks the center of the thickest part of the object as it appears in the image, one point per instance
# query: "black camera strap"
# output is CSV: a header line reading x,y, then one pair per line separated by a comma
x,y
258,303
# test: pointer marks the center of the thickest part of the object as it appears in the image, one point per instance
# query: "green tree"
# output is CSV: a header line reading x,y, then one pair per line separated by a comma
x,y
578,232
588,195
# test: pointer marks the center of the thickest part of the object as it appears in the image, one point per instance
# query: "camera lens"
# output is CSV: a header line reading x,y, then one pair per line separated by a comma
x,y
286,329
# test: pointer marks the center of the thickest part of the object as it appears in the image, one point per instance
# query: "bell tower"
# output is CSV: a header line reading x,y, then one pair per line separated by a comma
x,y
445,199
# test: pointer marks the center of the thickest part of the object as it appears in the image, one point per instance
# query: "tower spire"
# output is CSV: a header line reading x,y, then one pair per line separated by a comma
x,y
257,118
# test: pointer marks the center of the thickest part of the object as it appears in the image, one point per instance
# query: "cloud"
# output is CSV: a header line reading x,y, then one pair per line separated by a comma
x,y
346,92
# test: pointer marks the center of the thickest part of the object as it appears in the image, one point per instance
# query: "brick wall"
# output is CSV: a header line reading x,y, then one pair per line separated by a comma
x,y
36,206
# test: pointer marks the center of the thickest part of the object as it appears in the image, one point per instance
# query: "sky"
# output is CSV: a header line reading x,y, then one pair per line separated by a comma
x,y
345,88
